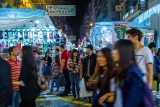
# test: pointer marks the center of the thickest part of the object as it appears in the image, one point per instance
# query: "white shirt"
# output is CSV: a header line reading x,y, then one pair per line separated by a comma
x,y
143,57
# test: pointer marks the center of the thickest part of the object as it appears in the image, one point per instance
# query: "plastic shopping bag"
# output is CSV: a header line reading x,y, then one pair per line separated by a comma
x,y
83,90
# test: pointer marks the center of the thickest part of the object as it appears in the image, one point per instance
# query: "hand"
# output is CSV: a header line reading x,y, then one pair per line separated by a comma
x,y
108,96
90,82
80,77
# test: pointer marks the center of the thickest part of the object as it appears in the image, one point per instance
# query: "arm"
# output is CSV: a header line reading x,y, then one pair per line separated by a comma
x,y
150,74
6,93
68,65
81,73
62,64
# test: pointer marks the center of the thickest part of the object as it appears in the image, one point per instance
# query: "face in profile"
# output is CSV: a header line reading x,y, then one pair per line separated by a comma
x,y
101,60
115,55
87,50
21,54
131,38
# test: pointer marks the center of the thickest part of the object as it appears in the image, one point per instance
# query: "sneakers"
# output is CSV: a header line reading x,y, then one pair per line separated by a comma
x,y
50,93
64,94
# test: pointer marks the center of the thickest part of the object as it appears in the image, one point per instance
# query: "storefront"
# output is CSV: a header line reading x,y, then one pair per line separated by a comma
x,y
20,28
105,34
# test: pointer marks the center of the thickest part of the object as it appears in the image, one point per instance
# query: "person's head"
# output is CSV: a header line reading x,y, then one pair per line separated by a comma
x,y
104,58
35,54
105,62
158,52
89,49
46,54
57,60
97,51
135,35
124,53
57,51
13,51
27,56
152,46
62,47
75,53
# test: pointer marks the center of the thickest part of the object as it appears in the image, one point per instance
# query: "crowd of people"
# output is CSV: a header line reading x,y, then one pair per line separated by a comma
x,y
118,77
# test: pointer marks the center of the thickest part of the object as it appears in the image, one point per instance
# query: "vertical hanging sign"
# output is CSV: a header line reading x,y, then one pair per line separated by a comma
x,y
119,31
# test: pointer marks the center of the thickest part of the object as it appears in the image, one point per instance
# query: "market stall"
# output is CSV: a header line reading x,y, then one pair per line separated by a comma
x,y
33,27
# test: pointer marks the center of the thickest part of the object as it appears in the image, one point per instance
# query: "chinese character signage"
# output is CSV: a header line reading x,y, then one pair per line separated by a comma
x,y
119,31
61,10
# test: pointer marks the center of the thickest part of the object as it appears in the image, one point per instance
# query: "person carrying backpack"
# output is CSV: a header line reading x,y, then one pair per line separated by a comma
x,y
131,90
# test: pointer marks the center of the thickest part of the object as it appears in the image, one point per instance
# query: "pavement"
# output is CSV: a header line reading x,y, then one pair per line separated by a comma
x,y
45,100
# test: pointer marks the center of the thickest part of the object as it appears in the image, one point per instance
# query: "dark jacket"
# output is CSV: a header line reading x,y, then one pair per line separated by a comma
x,y
30,79
133,88
156,64
49,60
6,92
93,61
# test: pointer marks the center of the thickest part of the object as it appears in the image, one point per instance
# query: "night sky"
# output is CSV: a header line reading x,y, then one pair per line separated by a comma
x,y
76,21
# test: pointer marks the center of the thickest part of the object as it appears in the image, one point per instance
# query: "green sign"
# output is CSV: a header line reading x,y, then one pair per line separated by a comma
x,y
61,10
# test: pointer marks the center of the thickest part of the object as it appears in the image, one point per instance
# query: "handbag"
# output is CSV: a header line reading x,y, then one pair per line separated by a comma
x,y
83,90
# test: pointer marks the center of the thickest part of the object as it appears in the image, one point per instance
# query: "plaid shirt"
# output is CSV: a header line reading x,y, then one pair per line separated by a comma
x,y
73,65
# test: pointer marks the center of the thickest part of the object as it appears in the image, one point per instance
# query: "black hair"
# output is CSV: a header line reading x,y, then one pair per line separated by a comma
x,y
62,46
127,56
57,50
135,32
28,58
11,49
152,45
46,54
157,54
77,58
57,60
109,72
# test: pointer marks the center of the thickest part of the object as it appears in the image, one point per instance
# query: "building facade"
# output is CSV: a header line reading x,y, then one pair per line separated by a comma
x,y
100,11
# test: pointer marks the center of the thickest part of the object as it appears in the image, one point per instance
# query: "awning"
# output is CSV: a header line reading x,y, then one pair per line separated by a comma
x,y
24,18
9,13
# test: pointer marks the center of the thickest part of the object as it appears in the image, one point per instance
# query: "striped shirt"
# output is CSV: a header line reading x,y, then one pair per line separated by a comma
x,y
15,71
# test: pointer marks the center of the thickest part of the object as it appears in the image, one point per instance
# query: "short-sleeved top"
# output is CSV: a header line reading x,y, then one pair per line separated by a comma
x,y
144,57
65,55
74,65
15,71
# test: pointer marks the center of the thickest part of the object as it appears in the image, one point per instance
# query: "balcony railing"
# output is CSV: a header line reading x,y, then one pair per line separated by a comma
x,y
138,7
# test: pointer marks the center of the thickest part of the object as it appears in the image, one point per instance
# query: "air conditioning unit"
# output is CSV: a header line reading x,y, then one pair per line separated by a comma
x,y
119,8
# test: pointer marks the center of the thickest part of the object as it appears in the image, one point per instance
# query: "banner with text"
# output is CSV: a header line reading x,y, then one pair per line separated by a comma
x,y
119,31
61,10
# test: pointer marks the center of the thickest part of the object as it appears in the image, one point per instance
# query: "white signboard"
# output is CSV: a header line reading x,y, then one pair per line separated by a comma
x,y
61,10
119,31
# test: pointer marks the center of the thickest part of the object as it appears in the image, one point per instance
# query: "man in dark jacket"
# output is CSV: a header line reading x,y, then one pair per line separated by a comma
x,y
6,92
89,62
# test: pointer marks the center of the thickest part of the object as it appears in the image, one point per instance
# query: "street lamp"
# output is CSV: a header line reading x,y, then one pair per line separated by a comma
x,y
91,24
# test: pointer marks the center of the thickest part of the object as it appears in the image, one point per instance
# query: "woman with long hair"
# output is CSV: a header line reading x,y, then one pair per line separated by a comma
x,y
130,87
55,73
47,67
102,78
30,88
74,67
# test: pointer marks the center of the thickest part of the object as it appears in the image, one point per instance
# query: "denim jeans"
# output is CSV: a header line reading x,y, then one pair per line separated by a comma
x,y
16,99
56,81
74,79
